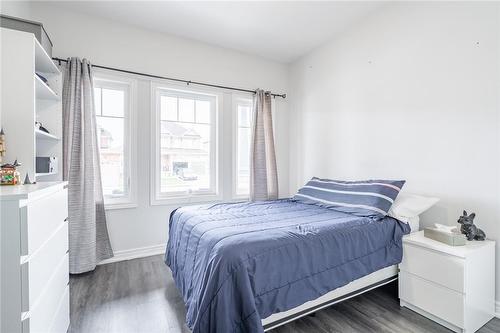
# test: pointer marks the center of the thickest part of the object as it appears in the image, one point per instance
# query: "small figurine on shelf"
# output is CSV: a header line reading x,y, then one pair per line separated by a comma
x,y
2,144
39,126
27,180
9,174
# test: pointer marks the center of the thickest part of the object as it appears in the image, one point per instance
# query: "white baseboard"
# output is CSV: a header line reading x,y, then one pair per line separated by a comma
x,y
140,252
497,309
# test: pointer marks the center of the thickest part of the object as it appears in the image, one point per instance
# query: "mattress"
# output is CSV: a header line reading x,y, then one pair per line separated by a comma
x,y
235,263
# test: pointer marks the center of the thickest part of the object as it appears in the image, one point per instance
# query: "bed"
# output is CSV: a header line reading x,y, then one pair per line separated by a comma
x,y
250,267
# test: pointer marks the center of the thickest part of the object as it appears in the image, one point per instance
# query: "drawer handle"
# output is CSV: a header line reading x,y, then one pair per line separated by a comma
x,y
25,287
66,220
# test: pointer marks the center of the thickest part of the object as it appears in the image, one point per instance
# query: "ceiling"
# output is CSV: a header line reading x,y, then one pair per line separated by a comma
x,y
277,30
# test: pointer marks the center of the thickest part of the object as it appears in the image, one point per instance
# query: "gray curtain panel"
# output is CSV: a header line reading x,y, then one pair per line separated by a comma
x,y
263,171
88,233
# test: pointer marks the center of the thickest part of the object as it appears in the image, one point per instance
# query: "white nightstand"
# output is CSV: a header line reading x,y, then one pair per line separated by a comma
x,y
452,285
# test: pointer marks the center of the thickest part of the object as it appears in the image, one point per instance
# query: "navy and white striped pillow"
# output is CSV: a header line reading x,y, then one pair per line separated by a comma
x,y
362,198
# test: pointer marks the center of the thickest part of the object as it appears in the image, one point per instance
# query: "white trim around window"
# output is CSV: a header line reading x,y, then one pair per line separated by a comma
x,y
213,193
103,79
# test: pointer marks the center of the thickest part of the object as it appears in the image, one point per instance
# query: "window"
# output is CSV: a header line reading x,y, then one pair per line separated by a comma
x,y
113,104
243,115
185,144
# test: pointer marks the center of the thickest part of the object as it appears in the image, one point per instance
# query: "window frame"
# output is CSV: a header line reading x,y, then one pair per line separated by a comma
x,y
104,80
185,197
238,99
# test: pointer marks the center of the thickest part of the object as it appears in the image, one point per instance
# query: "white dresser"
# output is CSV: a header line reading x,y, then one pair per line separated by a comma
x,y
34,253
452,285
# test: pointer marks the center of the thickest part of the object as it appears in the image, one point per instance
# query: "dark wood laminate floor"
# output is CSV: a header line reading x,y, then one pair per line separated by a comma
x,y
140,296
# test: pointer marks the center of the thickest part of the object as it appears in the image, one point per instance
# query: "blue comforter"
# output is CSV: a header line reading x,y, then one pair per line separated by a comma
x,y
236,263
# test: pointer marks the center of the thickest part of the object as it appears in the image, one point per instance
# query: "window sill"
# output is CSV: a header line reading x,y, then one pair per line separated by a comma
x,y
185,200
120,206
241,197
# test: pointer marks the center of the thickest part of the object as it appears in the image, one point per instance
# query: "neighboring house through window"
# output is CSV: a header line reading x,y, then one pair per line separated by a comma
x,y
185,144
114,112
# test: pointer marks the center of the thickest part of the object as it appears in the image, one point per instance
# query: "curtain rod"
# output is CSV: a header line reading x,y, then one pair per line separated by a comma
x,y
188,82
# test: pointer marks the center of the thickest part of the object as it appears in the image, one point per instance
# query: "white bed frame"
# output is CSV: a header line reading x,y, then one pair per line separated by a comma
x,y
355,288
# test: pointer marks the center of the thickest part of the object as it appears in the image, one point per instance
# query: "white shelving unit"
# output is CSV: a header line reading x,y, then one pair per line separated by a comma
x,y
27,99
43,91
41,174
41,135
43,62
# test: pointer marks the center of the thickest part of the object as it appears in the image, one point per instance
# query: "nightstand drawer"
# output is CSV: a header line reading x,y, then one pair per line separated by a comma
x,y
439,301
443,269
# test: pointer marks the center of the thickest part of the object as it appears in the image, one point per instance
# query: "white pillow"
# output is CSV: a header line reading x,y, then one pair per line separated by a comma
x,y
407,206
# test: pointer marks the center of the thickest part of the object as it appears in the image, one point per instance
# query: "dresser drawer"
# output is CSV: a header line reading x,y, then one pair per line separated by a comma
x,y
41,264
45,309
43,216
61,319
437,267
442,302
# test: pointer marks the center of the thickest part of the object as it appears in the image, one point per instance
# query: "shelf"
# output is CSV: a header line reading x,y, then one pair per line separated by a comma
x,y
43,62
43,91
45,174
45,136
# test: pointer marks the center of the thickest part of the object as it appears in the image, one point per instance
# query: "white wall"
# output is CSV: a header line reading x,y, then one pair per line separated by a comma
x,y
16,8
411,92
113,44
